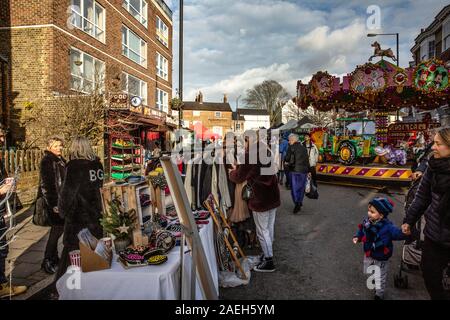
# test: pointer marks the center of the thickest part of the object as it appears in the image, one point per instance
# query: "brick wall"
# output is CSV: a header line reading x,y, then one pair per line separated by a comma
x,y
40,55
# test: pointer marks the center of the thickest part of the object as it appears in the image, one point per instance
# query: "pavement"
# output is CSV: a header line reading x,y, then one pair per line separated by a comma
x,y
26,253
314,253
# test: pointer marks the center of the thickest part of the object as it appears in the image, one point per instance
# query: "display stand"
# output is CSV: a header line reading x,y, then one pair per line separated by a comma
x,y
125,157
129,196
223,227
190,231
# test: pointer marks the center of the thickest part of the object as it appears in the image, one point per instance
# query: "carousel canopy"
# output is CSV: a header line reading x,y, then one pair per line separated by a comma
x,y
379,86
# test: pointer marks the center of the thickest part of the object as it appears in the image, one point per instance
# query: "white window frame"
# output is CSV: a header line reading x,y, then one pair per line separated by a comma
x,y
143,14
142,47
162,31
434,49
162,105
97,80
79,21
217,114
446,34
424,48
142,87
162,66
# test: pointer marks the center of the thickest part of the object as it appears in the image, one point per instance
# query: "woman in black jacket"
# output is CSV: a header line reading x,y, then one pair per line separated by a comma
x,y
80,202
52,172
433,200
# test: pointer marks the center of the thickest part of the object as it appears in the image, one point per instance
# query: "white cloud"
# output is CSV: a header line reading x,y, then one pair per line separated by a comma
x,y
238,84
341,40
232,45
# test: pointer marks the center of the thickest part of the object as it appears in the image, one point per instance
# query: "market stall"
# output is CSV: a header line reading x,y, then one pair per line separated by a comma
x,y
381,89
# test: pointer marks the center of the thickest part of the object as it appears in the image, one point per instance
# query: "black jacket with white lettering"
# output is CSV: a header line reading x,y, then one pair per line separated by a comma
x,y
80,201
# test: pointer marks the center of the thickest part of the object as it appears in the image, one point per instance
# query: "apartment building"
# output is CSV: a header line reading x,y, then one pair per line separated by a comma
x,y
51,48
434,40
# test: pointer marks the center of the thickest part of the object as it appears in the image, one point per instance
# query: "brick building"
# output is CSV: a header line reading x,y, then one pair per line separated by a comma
x,y
54,47
215,117
434,40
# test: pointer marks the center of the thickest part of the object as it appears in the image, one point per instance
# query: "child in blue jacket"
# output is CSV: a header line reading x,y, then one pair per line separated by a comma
x,y
377,233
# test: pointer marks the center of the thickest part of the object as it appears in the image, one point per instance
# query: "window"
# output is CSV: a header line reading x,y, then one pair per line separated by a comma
x,y
89,16
134,47
138,9
87,73
446,35
162,100
135,87
238,126
218,130
431,49
162,66
196,113
162,32
427,48
218,114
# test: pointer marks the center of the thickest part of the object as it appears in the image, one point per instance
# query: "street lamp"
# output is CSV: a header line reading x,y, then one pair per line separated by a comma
x,y
388,34
180,71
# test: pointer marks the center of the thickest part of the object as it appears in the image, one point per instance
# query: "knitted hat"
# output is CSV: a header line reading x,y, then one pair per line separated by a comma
x,y
383,205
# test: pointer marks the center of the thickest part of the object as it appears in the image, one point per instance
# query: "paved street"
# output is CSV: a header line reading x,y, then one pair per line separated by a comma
x,y
26,254
314,253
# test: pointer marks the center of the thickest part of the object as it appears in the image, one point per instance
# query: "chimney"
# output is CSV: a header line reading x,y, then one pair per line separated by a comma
x,y
225,98
200,97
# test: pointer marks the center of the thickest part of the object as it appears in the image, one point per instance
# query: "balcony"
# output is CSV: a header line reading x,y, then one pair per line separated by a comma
x,y
165,8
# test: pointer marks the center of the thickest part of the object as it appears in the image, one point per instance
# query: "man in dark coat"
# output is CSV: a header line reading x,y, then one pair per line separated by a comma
x,y
298,161
52,172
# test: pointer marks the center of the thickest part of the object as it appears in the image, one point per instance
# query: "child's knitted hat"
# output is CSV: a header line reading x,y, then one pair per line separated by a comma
x,y
383,205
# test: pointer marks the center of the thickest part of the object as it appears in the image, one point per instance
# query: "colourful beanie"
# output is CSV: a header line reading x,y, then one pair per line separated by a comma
x,y
383,205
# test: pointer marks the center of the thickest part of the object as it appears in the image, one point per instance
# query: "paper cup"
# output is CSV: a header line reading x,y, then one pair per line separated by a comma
x,y
75,258
107,241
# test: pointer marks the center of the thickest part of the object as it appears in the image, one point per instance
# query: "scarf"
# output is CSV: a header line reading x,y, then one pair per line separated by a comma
x,y
440,184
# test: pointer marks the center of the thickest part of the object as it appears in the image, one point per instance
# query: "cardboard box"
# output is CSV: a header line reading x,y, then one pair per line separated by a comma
x,y
90,261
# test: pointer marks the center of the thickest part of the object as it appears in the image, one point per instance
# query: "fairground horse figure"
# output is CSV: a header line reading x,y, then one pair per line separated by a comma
x,y
378,52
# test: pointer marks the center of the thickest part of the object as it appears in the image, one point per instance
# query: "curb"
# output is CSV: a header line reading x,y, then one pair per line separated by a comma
x,y
34,289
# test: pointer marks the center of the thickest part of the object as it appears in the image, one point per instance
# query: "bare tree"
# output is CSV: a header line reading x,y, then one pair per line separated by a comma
x,y
318,118
269,95
81,112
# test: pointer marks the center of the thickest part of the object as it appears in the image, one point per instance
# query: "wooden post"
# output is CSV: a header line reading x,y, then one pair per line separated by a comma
x,y
187,220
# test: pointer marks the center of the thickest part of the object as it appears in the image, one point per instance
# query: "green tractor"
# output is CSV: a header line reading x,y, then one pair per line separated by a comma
x,y
348,147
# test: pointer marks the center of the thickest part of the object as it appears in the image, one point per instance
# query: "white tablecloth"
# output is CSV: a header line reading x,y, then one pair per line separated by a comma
x,y
160,282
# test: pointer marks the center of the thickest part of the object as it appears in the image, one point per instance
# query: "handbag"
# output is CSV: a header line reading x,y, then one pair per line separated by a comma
x,y
247,192
40,213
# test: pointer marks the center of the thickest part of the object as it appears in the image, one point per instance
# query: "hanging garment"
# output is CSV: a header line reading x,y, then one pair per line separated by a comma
x,y
206,177
223,188
214,183
188,182
240,210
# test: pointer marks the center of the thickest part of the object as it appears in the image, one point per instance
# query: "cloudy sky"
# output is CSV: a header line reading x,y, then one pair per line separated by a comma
x,y
231,45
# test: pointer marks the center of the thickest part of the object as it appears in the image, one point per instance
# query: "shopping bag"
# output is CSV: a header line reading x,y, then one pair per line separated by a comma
x,y
313,192
308,185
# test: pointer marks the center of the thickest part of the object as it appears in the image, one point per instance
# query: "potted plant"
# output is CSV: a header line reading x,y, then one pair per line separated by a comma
x,y
119,223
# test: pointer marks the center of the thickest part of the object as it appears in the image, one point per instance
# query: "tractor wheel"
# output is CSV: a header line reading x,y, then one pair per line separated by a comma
x,y
347,152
